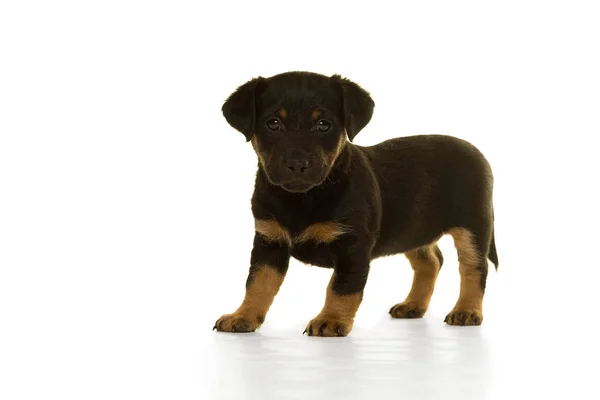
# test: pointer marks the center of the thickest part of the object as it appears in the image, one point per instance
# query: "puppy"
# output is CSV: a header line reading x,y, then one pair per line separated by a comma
x,y
328,202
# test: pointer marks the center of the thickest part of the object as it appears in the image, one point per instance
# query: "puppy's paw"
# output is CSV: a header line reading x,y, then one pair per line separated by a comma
x,y
237,323
464,317
329,327
407,310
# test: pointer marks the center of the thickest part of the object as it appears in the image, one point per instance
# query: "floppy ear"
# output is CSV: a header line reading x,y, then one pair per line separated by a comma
x,y
358,106
239,108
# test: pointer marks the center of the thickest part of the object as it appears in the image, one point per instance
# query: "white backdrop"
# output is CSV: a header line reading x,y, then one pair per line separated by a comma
x,y
125,227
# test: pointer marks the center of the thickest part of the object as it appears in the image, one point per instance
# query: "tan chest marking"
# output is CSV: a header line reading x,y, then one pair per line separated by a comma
x,y
321,232
272,231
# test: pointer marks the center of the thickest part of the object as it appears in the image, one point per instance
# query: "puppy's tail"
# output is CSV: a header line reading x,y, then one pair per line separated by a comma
x,y
492,255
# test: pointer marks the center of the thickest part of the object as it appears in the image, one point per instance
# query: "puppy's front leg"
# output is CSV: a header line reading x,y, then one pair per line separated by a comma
x,y
344,295
269,263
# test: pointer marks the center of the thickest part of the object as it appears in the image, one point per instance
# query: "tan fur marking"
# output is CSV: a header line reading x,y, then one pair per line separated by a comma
x,y
331,157
337,313
315,114
321,232
340,306
261,291
463,241
261,159
470,300
471,296
283,113
426,267
272,231
259,297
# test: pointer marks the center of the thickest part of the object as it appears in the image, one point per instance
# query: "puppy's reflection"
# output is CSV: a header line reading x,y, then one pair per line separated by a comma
x,y
413,359
423,359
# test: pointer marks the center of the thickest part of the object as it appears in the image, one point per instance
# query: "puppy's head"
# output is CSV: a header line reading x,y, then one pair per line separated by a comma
x,y
298,123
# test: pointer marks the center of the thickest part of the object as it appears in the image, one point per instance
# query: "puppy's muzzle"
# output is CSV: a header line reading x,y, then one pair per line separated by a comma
x,y
296,167
299,171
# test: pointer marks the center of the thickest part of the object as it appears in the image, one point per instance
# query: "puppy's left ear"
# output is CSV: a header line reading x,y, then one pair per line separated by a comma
x,y
240,110
358,106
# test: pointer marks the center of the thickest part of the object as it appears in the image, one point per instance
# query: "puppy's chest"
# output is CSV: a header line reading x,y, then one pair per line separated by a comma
x,y
310,243
320,255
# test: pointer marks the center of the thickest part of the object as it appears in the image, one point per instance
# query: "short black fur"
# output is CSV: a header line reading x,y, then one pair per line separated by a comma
x,y
393,197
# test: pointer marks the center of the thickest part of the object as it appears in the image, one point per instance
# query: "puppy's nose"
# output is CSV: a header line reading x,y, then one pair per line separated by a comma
x,y
297,166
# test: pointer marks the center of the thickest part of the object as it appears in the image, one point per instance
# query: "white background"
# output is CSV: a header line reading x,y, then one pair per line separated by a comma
x,y
125,227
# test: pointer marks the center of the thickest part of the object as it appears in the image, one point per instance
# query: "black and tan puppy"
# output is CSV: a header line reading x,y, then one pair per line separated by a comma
x,y
327,202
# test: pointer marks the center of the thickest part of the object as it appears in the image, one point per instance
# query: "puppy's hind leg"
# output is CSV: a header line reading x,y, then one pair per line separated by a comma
x,y
426,262
473,248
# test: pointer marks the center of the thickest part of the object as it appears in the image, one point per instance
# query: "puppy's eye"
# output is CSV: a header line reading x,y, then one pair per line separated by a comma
x,y
323,125
273,124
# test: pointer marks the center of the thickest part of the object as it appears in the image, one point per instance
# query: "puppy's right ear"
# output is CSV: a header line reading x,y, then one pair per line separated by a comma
x,y
239,109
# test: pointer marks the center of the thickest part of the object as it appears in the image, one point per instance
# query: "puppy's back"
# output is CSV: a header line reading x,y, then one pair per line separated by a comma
x,y
432,181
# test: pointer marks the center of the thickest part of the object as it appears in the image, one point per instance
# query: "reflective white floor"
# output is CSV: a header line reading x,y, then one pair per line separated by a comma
x,y
414,359
125,222
142,331
515,354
